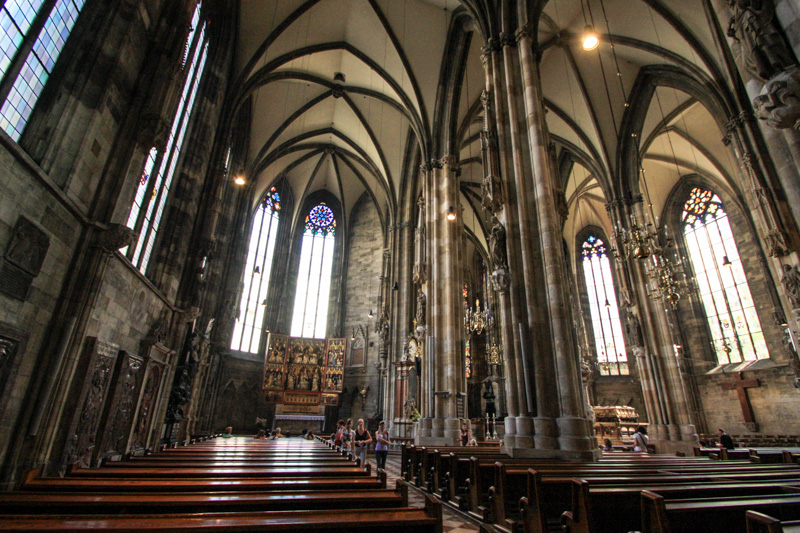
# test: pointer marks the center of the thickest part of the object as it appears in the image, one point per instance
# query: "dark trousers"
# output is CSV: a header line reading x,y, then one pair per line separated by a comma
x,y
380,458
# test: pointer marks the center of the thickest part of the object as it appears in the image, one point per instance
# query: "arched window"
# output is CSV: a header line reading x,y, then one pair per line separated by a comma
x,y
314,275
156,179
257,269
32,35
731,314
610,345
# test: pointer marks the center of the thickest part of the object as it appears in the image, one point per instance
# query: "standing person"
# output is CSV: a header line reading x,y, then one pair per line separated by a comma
x,y
362,440
725,440
347,436
466,434
640,440
381,445
337,439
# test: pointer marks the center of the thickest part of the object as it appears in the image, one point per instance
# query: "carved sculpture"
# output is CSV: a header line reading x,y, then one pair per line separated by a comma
x,y
779,101
759,43
115,237
634,330
383,327
791,284
421,306
497,244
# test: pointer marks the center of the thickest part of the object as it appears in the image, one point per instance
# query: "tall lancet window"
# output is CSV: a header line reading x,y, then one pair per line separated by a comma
x,y
314,276
156,178
736,333
257,270
32,35
609,342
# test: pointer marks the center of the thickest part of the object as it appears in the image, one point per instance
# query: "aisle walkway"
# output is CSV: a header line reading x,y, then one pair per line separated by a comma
x,y
452,520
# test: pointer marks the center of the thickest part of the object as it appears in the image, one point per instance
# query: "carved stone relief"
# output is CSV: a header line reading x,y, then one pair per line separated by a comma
x,y
147,403
83,432
122,406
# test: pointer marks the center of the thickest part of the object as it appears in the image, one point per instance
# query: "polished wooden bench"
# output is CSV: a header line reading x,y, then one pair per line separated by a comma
x,y
402,520
599,508
92,484
660,515
199,502
126,472
761,523
549,493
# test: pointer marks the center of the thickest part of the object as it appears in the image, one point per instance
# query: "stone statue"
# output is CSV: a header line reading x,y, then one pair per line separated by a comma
x,y
497,244
421,306
758,39
791,284
383,328
779,102
634,330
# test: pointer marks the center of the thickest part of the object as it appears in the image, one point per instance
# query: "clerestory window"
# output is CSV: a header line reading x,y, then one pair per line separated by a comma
x,y
736,334
257,269
612,359
314,275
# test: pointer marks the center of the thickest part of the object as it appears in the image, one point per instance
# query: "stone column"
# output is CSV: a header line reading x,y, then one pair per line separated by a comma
x,y
498,167
662,383
574,429
444,309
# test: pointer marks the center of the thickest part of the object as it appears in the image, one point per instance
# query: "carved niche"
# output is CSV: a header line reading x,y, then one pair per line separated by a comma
x,y
24,257
121,406
85,424
148,400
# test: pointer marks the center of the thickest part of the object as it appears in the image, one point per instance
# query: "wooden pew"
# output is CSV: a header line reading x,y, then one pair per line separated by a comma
x,y
761,523
128,472
199,502
549,493
89,484
598,508
660,515
426,520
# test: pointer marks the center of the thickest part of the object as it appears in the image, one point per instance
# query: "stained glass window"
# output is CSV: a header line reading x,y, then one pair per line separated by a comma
x,y
612,359
735,329
156,180
314,275
37,58
257,269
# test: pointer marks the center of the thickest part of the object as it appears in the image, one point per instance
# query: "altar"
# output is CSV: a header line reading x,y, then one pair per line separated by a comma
x,y
296,423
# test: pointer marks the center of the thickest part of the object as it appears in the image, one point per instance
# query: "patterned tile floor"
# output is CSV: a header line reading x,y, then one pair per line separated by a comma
x,y
452,520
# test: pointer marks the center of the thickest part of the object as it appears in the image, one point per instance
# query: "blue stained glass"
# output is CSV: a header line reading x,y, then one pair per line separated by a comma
x,y
320,220
34,74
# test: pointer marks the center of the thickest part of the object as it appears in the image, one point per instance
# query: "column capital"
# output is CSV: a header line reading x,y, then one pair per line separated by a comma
x,y
523,32
508,39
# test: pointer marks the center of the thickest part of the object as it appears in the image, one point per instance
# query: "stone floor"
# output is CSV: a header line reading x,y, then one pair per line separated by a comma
x,y
452,520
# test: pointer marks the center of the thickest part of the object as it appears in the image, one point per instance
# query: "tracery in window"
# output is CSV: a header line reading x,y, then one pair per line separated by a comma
x,y
17,17
314,275
248,329
736,333
612,359
156,180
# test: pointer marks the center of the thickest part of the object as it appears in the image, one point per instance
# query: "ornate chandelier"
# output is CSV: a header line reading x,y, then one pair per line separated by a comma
x,y
477,320
643,242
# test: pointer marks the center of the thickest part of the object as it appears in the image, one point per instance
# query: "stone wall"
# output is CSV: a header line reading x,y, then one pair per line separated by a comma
x,y
240,398
26,190
774,402
362,291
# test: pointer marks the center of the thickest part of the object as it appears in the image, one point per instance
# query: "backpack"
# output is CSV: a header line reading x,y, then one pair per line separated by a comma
x,y
338,440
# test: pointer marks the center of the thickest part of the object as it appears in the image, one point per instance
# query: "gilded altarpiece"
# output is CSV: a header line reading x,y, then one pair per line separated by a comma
x,y
298,370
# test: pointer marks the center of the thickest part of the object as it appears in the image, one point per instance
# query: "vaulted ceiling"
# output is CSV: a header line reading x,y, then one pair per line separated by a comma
x,y
341,92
